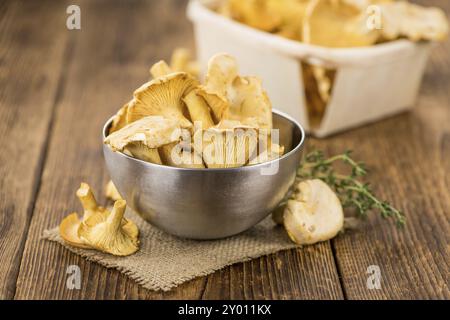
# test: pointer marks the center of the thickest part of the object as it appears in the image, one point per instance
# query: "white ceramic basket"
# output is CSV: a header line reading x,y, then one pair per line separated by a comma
x,y
370,83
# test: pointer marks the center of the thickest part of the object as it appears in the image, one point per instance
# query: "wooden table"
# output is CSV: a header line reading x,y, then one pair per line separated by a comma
x,y
57,87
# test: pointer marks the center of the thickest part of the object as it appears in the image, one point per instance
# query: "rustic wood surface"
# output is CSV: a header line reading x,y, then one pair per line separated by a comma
x,y
57,87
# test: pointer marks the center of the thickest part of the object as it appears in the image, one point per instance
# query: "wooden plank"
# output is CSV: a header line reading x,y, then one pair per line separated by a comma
x,y
306,273
409,159
106,67
31,57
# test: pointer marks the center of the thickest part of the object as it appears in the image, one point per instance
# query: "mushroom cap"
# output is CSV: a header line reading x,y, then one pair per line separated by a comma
x,y
336,24
163,97
120,119
254,13
110,232
291,13
235,98
315,214
68,230
413,21
222,70
140,151
181,155
151,131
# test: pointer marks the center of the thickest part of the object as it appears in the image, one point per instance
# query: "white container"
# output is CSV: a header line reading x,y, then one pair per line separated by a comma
x,y
370,83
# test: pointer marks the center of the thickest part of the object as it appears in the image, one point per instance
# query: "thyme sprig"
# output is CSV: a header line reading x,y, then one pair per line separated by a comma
x,y
352,192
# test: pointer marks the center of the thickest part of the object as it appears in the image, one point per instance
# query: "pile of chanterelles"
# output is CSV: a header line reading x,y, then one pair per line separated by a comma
x,y
337,24
175,120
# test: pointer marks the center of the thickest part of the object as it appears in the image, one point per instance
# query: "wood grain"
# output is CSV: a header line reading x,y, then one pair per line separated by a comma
x,y
31,57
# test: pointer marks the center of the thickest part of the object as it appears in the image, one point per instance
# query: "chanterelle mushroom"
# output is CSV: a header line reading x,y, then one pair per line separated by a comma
x,y
111,191
314,215
333,23
222,70
232,97
160,69
182,61
68,228
162,97
120,119
413,21
228,144
110,232
250,103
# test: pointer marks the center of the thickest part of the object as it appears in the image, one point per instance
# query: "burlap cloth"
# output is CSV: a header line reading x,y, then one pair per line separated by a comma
x,y
164,261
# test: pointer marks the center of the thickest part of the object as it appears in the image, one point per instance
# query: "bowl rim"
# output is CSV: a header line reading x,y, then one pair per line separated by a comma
x,y
251,167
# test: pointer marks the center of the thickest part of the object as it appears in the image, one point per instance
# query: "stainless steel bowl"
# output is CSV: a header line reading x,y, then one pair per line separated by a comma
x,y
207,203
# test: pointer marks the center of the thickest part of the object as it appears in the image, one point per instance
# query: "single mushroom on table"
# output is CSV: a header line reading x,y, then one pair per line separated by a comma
x,y
313,214
118,235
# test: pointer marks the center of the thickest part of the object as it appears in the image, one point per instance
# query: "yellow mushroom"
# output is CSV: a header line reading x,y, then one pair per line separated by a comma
x,y
160,69
182,61
181,155
69,226
111,191
335,23
110,232
198,109
222,71
235,98
249,103
226,145
403,19
254,13
120,119
267,152
163,97
140,151
314,214
68,230
141,138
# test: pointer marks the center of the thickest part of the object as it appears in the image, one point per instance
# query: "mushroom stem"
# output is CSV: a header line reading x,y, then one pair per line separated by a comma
x,y
116,215
198,109
87,199
141,152
180,59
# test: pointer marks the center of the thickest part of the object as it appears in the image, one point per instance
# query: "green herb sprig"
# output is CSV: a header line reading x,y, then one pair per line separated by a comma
x,y
352,192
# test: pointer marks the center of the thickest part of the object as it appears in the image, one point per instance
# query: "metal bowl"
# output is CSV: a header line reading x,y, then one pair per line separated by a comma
x,y
207,203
